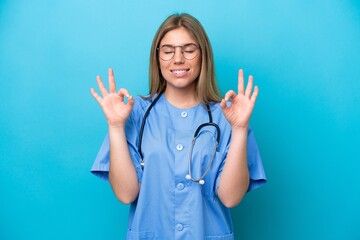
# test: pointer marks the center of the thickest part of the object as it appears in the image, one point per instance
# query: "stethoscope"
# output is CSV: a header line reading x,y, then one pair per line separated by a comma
x,y
196,135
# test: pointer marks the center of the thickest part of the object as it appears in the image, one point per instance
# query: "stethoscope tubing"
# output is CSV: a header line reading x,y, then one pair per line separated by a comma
x,y
210,123
143,126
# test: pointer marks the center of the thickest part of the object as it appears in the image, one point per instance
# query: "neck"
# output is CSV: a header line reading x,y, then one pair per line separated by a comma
x,y
182,99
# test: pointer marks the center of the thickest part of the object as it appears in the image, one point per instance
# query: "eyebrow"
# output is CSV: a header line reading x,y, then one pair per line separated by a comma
x,y
169,45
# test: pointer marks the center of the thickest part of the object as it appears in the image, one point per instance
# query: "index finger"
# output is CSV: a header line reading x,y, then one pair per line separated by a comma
x,y
101,86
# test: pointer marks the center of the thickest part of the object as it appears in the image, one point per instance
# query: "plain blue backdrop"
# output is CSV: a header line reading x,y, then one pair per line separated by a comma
x,y
304,56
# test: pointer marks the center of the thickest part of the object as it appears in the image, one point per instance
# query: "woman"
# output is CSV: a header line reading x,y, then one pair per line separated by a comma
x,y
195,156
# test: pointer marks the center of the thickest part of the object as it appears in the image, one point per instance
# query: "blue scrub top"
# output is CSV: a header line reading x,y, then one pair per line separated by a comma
x,y
169,206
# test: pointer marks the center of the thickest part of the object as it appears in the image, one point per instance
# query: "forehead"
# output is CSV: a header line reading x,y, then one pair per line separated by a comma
x,y
179,36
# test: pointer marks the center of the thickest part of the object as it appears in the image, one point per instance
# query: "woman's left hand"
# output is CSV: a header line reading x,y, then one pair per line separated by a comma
x,y
242,104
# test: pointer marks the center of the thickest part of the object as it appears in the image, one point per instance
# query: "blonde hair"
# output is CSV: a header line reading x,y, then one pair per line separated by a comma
x,y
206,89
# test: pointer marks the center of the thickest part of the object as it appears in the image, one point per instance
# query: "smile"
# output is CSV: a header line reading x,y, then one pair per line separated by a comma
x,y
180,71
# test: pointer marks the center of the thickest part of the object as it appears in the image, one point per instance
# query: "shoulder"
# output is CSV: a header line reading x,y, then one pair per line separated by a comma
x,y
220,120
141,104
218,115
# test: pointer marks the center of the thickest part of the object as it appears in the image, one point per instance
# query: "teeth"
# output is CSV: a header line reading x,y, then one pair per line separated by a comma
x,y
179,71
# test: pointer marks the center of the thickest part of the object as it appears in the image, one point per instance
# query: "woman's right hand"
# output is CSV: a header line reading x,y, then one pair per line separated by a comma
x,y
115,109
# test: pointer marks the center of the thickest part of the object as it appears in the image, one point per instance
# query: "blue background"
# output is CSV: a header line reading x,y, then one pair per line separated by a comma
x,y
304,56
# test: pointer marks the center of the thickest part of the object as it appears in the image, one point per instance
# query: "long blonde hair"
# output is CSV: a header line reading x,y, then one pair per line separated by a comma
x,y
206,89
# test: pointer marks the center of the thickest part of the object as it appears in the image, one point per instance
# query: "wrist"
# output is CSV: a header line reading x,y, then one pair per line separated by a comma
x,y
116,128
239,130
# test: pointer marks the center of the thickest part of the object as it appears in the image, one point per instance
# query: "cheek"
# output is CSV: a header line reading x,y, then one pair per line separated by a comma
x,y
197,66
162,68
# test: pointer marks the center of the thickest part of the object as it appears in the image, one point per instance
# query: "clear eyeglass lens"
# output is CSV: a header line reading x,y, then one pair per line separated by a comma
x,y
189,52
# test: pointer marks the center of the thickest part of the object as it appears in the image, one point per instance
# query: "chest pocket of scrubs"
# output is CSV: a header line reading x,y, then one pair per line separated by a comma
x,y
143,235
223,237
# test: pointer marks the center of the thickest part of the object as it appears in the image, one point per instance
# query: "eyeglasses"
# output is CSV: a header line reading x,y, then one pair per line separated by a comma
x,y
189,51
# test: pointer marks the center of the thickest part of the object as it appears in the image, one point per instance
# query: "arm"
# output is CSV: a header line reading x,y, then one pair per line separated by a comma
x,y
122,174
234,179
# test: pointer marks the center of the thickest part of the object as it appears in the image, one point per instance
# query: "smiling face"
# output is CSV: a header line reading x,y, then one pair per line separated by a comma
x,y
179,73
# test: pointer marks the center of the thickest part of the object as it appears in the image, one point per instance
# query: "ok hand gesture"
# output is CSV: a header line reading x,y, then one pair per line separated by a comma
x,y
242,105
115,109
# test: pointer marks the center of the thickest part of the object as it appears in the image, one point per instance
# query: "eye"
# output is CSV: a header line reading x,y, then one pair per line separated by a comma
x,y
167,50
190,48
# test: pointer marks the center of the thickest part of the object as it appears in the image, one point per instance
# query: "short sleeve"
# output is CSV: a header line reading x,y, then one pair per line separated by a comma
x,y
100,167
255,165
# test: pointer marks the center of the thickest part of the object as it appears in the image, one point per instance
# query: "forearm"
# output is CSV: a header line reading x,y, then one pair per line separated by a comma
x,y
122,173
234,179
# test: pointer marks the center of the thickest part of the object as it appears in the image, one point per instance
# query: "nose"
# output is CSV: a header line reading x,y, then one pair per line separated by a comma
x,y
178,56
